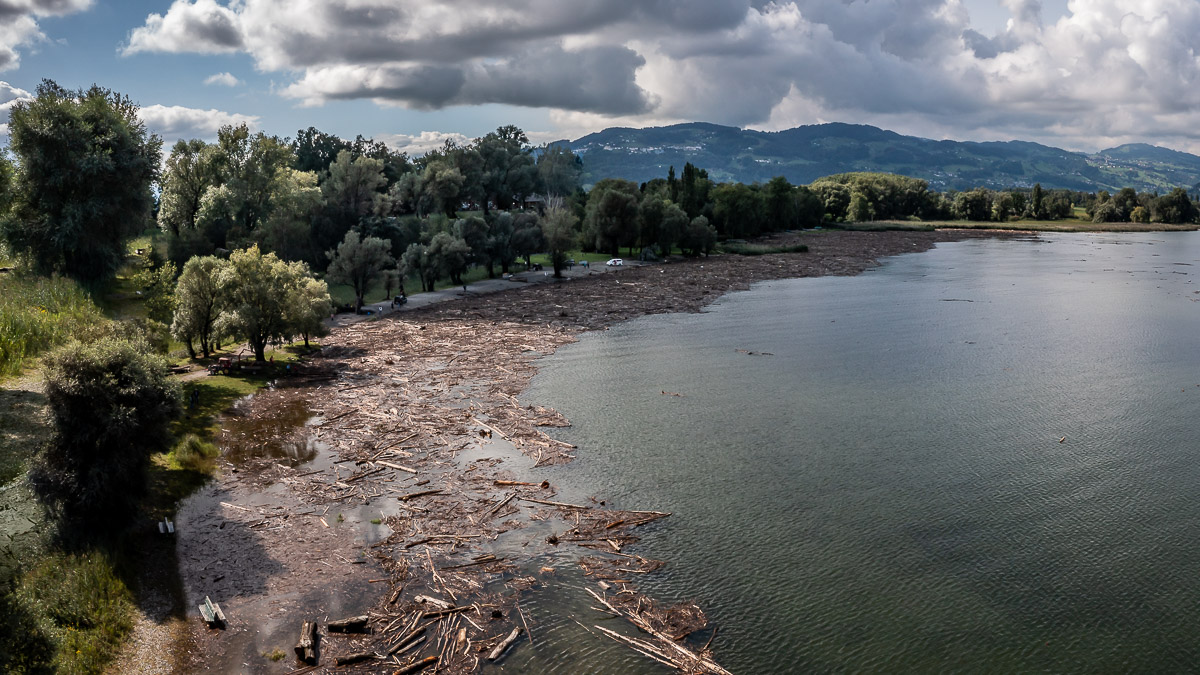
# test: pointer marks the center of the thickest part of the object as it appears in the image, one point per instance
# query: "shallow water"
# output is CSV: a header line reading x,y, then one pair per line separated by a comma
x,y
867,473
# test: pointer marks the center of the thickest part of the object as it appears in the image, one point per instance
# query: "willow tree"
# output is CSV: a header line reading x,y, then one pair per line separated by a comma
x,y
81,189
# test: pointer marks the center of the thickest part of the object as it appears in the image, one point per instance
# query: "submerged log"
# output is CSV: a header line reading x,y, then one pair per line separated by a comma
x,y
306,648
354,624
508,641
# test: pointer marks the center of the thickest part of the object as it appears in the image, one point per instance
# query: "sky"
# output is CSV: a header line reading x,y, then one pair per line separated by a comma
x,y
1078,74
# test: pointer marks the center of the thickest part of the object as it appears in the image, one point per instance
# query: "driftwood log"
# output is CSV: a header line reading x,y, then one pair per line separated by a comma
x,y
412,668
354,624
306,648
508,641
355,658
436,602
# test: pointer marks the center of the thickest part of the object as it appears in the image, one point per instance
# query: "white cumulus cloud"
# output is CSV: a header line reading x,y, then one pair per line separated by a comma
x,y
419,144
176,122
223,80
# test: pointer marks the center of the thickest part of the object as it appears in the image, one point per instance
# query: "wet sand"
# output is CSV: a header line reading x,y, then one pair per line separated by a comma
x,y
427,401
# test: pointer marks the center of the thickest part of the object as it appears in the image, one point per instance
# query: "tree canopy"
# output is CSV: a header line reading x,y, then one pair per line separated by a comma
x,y
81,189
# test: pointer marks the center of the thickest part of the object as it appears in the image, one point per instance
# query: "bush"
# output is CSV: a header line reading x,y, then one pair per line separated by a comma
x,y
110,405
74,613
194,453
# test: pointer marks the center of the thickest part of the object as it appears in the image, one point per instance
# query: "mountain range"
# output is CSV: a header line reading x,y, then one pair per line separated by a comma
x,y
806,153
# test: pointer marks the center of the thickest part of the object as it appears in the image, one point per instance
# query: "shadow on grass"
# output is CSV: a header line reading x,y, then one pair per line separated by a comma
x,y
22,430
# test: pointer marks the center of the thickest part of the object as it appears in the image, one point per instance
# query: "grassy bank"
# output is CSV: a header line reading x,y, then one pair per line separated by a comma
x,y
37,314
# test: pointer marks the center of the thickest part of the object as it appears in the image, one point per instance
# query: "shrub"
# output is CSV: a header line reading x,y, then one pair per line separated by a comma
x,y
194,453
110,405
76,603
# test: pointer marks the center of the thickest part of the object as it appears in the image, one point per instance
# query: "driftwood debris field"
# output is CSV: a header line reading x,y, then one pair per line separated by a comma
x,y
411,413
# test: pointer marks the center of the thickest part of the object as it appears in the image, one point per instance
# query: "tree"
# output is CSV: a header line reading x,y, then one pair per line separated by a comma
x,y
780,205
157,288
359,262
315,150
110,404
308,306
672,228
558,229
1036,207
700,237
250,168
417,259
288,231
1176,207
440,185
256,289
189,173
449,255
354,185
612,215
738,210
82,187
559,170
198,304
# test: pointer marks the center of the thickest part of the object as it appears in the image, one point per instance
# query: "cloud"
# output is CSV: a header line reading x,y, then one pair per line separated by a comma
x,y
1127,69
222,79
176,122
19,24
597,79
423,142
203,26
10,96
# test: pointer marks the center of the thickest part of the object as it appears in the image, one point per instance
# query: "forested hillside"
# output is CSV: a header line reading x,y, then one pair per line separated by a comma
x,y
804,154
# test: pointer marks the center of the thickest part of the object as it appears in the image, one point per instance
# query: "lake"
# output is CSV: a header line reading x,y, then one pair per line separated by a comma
x,y
985,457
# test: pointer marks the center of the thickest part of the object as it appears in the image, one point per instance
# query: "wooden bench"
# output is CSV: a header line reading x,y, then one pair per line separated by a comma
x,y
212,613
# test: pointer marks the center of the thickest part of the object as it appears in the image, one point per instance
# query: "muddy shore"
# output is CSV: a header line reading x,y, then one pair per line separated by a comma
x,y
399,470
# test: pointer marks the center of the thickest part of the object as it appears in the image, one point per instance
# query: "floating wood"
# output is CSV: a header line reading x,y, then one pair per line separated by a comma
x,y
211,611
504,645
436,602
354,624
423,493
492,511
306,648
356,657
415,667
398,467
544,484
410,637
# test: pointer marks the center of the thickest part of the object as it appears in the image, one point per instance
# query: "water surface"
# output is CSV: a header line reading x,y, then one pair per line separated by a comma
x,y
867,473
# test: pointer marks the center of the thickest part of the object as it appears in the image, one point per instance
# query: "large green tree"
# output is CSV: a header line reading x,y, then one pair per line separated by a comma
x,y
85,164
612,215
256,289
198,304
359,262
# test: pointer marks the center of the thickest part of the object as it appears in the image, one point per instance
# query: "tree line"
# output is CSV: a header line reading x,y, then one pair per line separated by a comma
x,y
84,176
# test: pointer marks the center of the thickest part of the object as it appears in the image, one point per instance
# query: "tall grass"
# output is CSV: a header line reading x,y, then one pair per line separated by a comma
x,y
37,314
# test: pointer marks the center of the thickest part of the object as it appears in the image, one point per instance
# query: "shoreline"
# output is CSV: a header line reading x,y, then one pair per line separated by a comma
x,y
407,417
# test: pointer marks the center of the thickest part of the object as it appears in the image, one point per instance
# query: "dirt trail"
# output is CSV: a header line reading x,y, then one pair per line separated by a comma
x,y
397,490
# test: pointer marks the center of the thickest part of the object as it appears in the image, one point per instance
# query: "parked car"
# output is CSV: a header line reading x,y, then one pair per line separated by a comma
x,y
615,262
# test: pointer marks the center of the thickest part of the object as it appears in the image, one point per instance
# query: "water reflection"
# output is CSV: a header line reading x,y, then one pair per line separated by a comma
x,y
284,435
